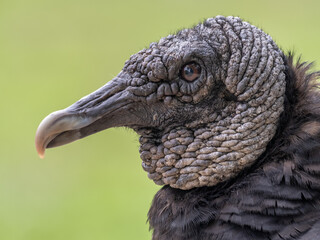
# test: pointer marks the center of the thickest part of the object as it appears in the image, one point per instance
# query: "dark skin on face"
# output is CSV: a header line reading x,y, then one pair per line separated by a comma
x,y
205,108
136,102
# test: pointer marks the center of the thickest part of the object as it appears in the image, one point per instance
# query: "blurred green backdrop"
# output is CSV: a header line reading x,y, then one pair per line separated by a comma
x,y
53,52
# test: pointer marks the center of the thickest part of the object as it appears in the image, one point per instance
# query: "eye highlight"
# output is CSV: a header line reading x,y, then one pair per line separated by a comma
x,y
190,71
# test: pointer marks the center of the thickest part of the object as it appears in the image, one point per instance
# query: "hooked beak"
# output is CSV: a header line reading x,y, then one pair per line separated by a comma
x,y
105,108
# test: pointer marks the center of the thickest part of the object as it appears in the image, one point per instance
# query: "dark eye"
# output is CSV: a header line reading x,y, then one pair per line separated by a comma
x,y
190,71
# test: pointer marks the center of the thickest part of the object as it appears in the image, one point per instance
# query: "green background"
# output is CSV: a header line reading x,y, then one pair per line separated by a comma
x,y
54,52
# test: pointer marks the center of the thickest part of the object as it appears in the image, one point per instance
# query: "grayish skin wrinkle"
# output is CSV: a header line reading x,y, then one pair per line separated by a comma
x,y
179,148
193,133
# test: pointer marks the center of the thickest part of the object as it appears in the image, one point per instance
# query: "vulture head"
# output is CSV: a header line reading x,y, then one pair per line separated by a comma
x,y
207,103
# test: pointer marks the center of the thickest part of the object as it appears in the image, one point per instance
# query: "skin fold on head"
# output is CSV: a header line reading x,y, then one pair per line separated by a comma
x,y
205,102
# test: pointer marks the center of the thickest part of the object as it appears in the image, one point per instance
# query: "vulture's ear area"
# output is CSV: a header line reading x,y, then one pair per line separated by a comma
x,y
113,105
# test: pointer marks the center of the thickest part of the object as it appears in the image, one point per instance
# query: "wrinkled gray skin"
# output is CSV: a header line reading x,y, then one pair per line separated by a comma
x,y
196,133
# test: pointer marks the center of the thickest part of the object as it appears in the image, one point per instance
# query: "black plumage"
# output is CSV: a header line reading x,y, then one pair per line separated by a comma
x,y
228,185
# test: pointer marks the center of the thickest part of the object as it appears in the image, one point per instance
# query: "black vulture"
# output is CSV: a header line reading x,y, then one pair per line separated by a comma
x,y
228,123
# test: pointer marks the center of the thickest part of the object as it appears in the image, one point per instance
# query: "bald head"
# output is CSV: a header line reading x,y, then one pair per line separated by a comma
x,y
205,101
